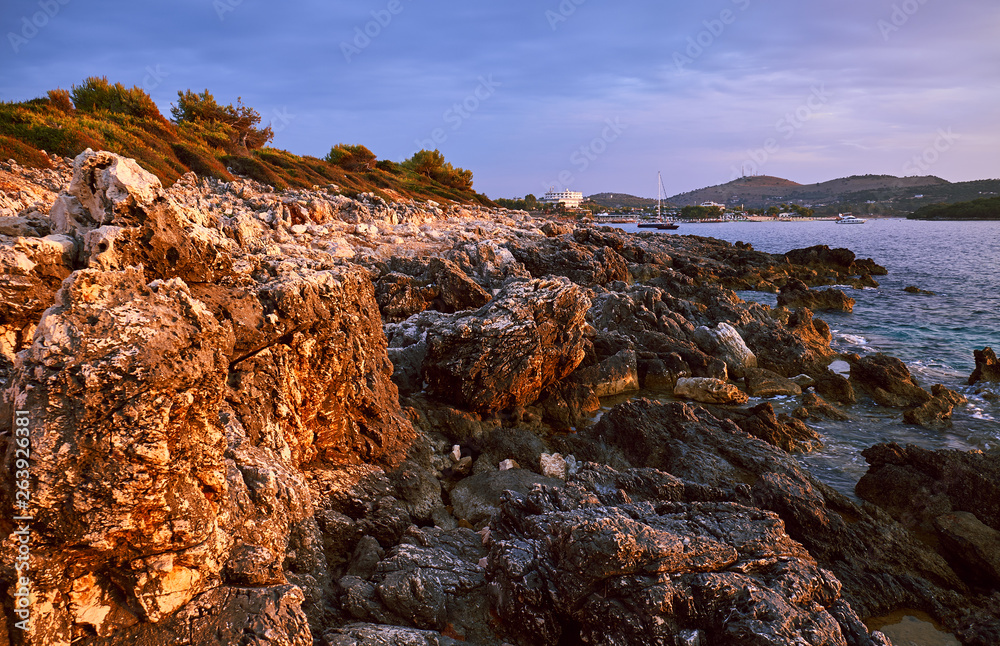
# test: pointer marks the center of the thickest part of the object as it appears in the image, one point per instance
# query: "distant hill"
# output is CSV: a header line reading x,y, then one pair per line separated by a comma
x,y
621,201
863,194
763,191
986,208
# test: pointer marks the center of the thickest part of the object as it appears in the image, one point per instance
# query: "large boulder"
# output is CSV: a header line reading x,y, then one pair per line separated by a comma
x,y
122,217
411,286
888,381
724,342
841,263
709,391
764,383
477,498
801,345
785,432
122,386
583,264
796,294
310,372
815,407
32,271
916,485
432,580
183,427
987,366
936,412
505,354
580,565
614,375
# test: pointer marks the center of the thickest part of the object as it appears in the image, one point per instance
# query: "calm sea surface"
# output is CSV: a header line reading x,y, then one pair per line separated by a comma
x,y
934,335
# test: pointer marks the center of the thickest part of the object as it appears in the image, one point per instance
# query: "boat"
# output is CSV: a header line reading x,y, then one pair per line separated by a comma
x,y
849,219
663,224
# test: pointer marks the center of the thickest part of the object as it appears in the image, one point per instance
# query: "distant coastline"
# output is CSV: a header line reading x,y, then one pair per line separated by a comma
x,y
986,208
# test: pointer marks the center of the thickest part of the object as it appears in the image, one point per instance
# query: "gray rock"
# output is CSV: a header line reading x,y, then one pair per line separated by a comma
x,y
615,375
724,342
973,544
361,634
764,383
568,569
475,499
366,556
431,581
504,355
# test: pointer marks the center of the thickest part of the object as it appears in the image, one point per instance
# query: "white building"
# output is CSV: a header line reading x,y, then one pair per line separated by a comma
x,y
571,199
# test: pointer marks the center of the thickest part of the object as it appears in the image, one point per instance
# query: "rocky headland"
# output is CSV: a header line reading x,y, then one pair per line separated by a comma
x,y
260,417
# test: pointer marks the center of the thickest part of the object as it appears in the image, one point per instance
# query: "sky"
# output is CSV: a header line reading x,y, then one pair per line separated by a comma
x,y
585,95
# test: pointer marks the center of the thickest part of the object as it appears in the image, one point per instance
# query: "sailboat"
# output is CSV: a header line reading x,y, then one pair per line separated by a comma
x,y
660,192
660,224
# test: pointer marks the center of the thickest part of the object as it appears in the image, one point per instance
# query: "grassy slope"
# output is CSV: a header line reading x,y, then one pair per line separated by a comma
x,y
170,150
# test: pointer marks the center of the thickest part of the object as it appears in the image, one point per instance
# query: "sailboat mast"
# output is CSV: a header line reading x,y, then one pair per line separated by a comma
x,y
659,183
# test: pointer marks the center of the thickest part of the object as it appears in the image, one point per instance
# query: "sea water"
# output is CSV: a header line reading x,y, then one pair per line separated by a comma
x,y
934,334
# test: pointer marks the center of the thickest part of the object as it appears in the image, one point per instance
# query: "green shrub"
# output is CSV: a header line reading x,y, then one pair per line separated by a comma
x,y
203,108
431,164
60,100
97,94
352,157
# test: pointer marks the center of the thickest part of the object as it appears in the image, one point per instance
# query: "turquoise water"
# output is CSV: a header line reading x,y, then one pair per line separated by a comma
x,y
934,335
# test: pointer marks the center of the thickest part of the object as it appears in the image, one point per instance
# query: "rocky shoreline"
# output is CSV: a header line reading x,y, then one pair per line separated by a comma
x,y
303,418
